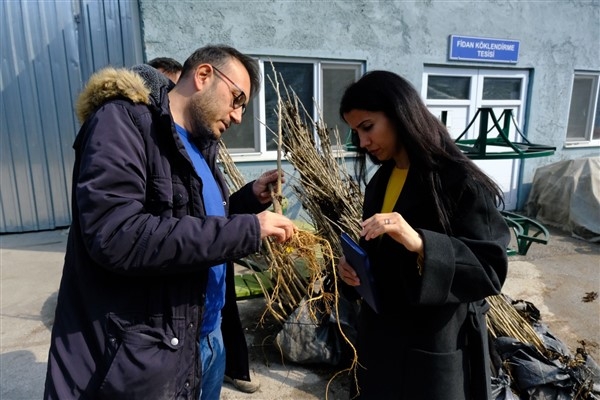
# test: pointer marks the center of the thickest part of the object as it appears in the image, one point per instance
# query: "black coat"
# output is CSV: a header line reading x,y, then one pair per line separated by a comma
x,y
132,292
430,340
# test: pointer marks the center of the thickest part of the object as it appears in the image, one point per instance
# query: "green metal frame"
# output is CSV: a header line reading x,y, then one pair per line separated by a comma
x,y
476,149
526,230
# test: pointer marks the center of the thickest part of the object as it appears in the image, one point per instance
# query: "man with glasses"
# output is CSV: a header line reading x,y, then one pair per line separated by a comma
x,y
146,305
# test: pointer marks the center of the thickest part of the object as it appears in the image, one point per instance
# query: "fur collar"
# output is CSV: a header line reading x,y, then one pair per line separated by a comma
x,y
141,84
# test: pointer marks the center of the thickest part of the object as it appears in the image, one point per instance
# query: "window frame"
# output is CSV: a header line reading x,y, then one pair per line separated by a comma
x,y
259,103
593,104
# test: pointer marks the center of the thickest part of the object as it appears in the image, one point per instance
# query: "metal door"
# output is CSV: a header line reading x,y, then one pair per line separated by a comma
x,y
460,92
49,49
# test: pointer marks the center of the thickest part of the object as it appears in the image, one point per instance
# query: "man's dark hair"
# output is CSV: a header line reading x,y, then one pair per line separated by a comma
x,y
219,55
166,64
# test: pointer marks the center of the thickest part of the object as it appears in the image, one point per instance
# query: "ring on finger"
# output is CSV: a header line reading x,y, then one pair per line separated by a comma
x,y
386,221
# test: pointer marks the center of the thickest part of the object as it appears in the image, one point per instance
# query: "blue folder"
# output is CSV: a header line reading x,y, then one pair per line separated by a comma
x,y
359,260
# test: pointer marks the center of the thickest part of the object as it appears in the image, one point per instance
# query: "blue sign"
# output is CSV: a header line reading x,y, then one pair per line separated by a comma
x,y
483,49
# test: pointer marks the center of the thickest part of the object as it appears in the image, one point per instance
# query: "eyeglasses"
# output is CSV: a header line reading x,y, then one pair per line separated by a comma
x,y
238,100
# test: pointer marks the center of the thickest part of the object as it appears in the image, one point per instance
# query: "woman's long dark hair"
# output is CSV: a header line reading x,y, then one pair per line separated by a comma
x,y
428,144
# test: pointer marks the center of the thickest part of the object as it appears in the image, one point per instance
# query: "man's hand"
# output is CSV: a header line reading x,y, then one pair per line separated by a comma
x,y
260,187
277,225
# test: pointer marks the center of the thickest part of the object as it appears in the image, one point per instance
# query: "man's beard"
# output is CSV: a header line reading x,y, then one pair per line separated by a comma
x,y
200,133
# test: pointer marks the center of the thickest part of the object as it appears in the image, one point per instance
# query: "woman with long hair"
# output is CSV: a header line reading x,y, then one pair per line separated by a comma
x,y
437,248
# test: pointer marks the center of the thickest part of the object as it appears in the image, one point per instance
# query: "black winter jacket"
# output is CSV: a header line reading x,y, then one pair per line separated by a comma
x,y
132,292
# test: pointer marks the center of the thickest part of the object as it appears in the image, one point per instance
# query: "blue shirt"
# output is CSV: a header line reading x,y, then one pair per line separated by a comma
x,y
213,205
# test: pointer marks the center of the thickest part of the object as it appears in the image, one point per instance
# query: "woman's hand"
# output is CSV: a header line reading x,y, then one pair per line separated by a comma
x,y
347,273
396,227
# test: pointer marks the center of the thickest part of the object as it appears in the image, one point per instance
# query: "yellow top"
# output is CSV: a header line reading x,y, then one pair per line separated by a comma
x,y
394,187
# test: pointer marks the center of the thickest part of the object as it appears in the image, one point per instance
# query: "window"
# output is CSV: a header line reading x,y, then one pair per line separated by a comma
x,y
584,112
448,87
299,79
318,84
501,88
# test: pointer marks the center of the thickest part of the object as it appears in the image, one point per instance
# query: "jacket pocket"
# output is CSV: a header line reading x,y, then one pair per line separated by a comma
x,y
159,195
167,197
435,376
142,358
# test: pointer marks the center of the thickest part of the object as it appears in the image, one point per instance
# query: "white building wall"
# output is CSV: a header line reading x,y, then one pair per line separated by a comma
x,y
556,38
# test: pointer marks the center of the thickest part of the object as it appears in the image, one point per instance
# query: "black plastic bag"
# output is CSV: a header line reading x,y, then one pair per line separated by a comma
x,y
308,339
501,387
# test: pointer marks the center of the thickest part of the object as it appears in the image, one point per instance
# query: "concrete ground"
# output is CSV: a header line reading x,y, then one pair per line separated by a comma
x,y
555,278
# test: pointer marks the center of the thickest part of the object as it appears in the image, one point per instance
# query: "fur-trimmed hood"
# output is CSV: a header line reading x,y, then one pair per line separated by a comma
x,y
140,84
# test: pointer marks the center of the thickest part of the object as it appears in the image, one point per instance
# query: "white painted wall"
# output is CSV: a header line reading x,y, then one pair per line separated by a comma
x,y
556,38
